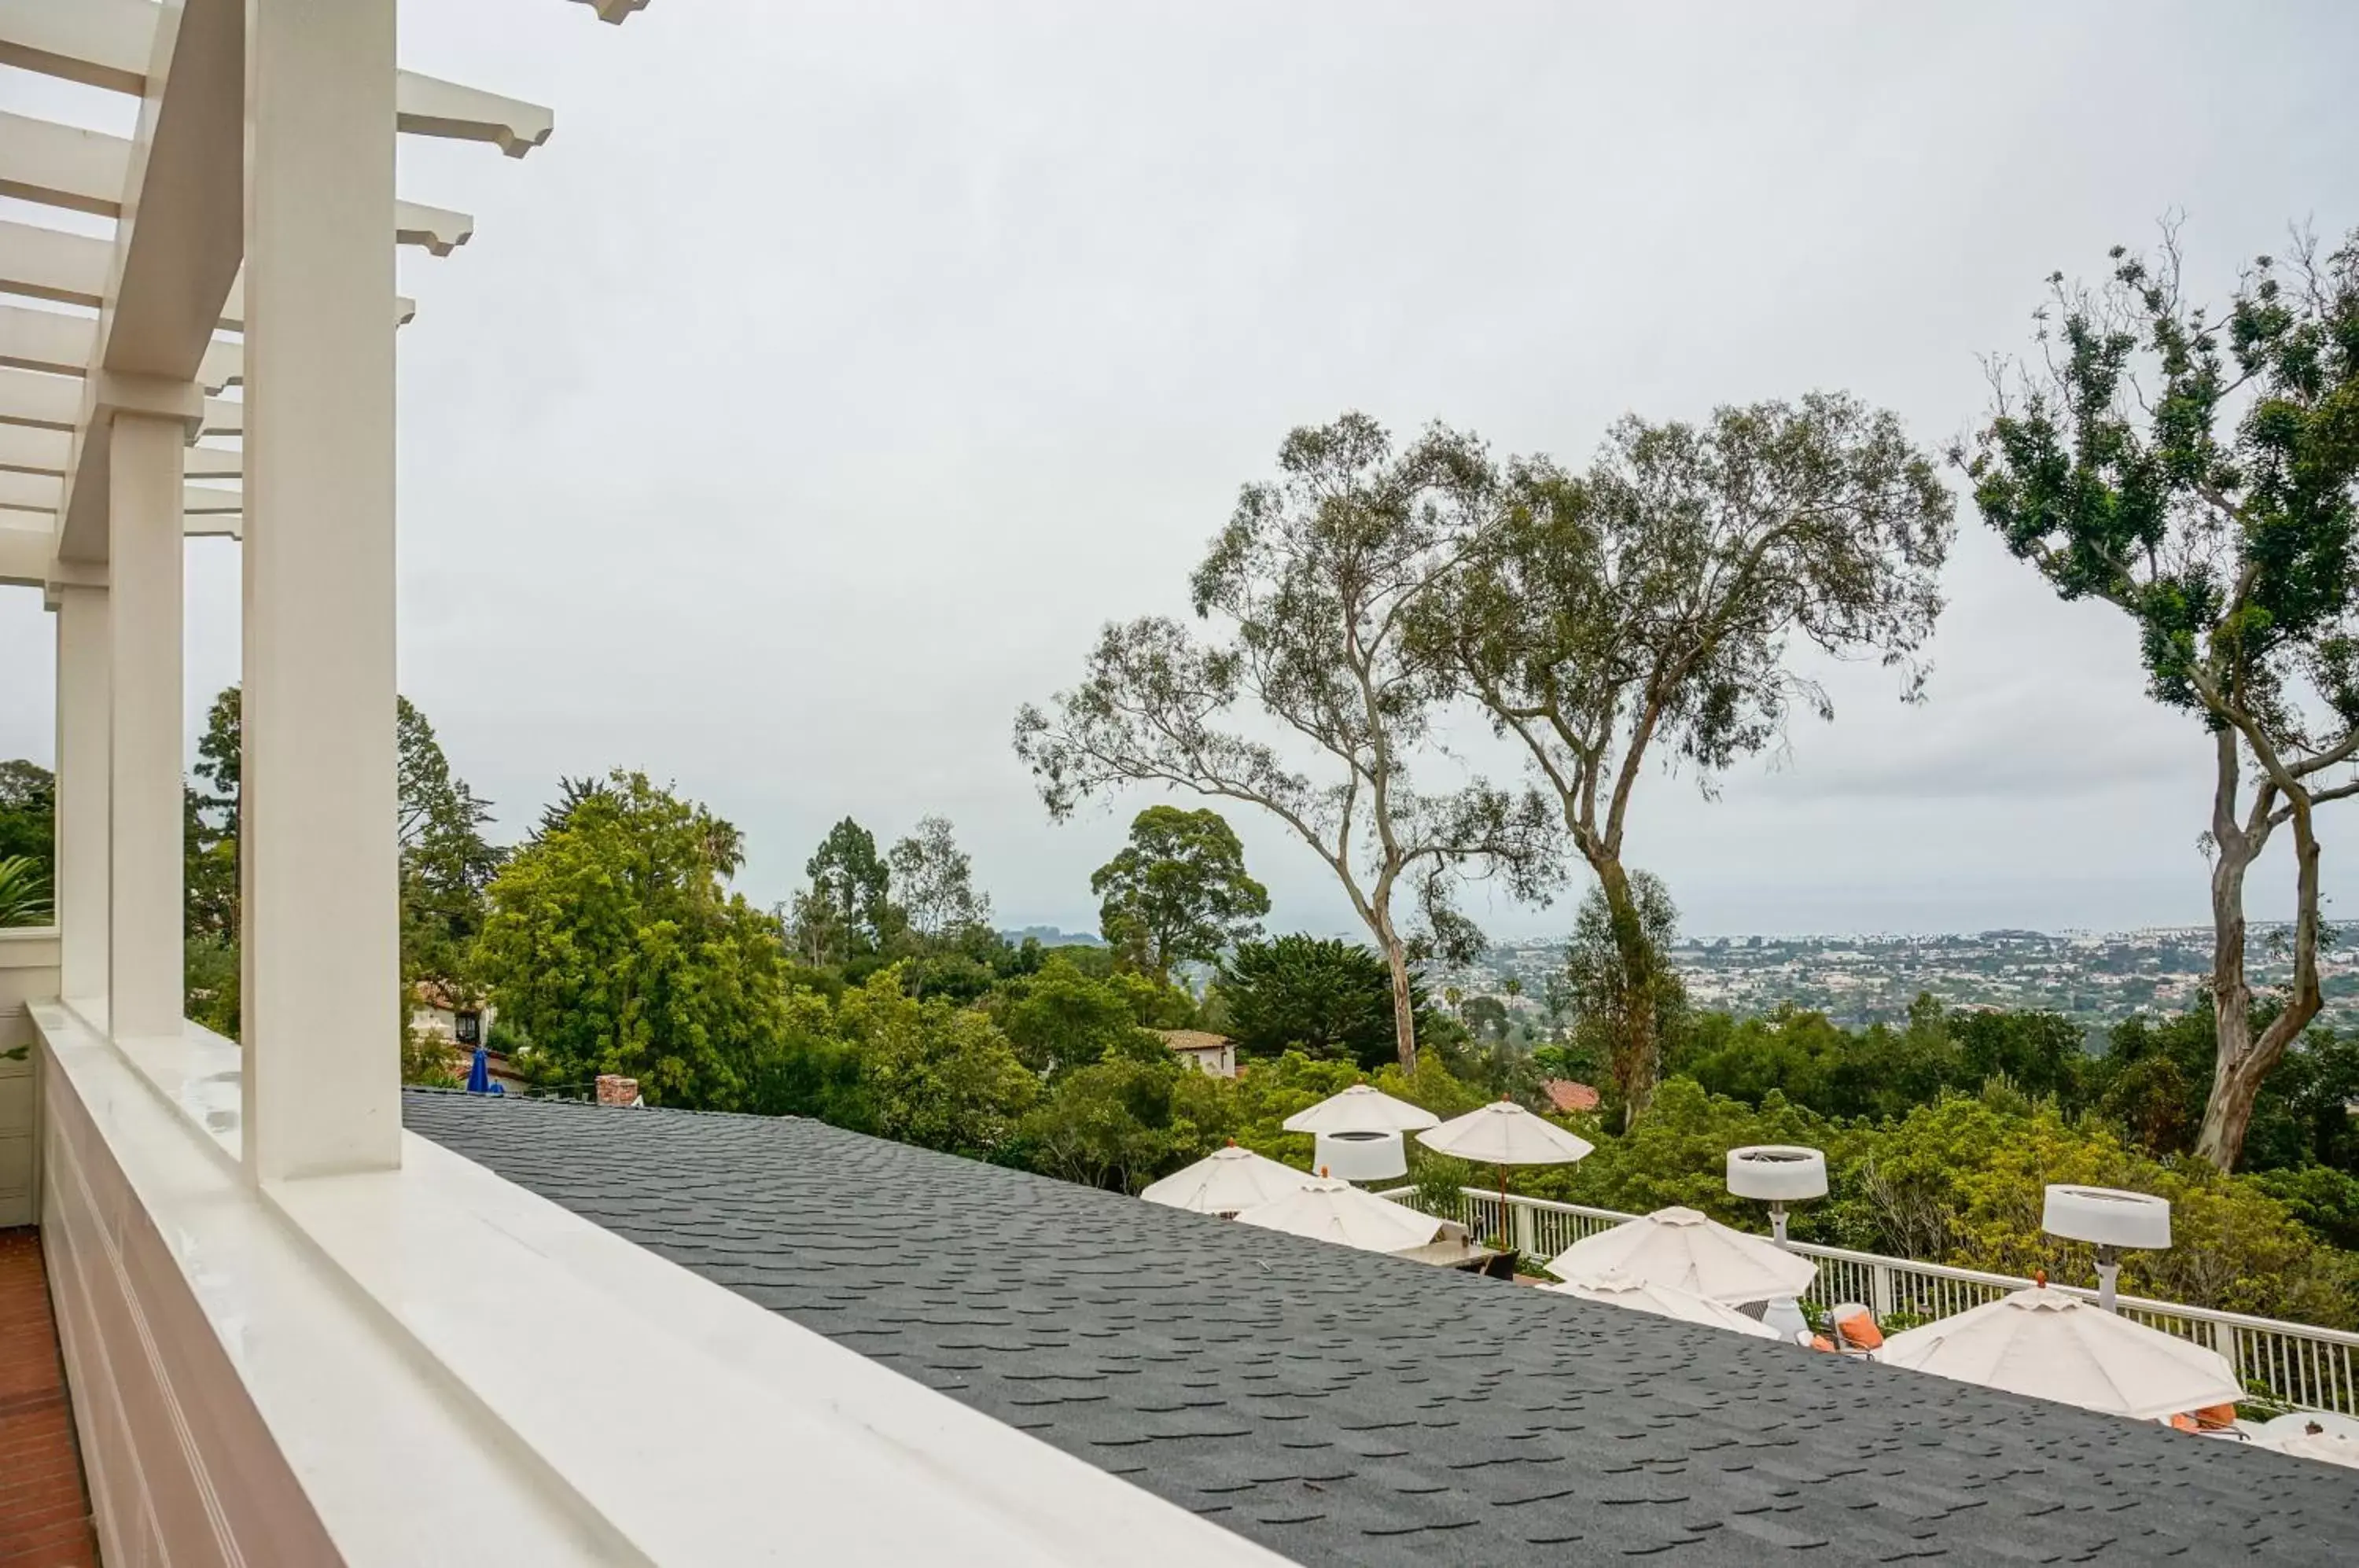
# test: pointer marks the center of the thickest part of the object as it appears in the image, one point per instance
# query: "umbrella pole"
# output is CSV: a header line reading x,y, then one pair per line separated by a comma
x,y
1504,1230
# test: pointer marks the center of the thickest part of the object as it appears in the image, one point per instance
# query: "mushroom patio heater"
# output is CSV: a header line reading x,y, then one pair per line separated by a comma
x,y
2113,1220
1361,1154
1777,1175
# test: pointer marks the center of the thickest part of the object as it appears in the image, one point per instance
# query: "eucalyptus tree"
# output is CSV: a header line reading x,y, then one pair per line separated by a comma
x,y
1307,700
2197,466
1646,608
933,881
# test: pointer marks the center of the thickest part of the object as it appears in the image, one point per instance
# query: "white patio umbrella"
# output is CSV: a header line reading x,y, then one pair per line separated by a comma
x,y
1223,1182
2055,1346
1683,1249
1363,1107
1503,1133
1621,1289
1327,1209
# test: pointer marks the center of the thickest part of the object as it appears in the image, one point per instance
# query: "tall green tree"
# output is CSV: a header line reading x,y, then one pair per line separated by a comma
x,y
933,881
848,910
613,943
2197,466
1644,608
1618,988
1178,892
1315,582
1325,997
446,863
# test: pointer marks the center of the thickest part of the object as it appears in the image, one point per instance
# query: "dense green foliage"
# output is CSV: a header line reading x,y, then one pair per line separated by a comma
x,y
28,800
611,942
1327,998
24,891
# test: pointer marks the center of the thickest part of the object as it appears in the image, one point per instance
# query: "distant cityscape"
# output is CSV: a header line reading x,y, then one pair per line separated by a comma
x,y
2096,978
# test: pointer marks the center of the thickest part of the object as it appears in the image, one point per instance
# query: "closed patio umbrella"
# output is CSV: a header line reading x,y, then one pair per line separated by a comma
x,y
1688,1251
1621,1289
2056,1347
1223,1182
1363,1107
1330,1210
1501,1134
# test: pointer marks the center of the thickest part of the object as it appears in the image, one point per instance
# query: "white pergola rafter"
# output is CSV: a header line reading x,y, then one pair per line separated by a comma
x,y
175,190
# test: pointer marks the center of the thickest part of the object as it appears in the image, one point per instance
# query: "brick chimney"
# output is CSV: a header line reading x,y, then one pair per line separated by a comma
x,y
614,1090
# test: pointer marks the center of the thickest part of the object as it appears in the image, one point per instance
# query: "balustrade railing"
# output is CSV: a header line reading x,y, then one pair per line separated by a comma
x,y
2289,1364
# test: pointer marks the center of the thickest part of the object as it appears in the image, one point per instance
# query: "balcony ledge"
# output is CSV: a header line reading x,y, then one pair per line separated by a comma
x,y
433,1364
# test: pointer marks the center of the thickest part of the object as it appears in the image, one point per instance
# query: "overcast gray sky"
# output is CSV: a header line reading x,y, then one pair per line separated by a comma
x,y
809,401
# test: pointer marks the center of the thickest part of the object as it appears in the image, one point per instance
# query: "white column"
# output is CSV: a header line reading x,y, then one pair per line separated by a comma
x,y
320,1003
81,859
144,911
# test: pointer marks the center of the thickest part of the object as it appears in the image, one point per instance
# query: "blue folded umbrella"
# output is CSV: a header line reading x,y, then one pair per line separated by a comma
x,y
479,1076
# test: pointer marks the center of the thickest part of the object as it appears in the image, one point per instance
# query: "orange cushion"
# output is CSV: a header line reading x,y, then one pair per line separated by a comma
x,y
1821,1342
1860,1330
2216,1417
2184,1424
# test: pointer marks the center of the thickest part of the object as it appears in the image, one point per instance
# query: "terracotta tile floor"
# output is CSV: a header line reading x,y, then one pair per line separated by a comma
x,y
44,1512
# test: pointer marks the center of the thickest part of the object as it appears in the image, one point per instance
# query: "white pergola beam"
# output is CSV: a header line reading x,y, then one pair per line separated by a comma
x,y
28,449
29,492
178,243
46,341
41,493
49,264
108,43
223,417
45,402
62,165
100,43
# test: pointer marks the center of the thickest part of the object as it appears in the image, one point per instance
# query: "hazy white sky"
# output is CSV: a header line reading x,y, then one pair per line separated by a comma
x,y
806,403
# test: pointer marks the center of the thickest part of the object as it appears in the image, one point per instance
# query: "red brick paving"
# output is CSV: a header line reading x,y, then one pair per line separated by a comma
x,y
44,1510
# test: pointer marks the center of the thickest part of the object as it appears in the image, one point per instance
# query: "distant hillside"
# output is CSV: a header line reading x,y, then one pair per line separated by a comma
x,y
1051,936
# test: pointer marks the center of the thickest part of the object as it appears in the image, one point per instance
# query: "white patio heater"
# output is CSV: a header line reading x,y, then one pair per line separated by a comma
x,y
1360,1154
1777,1175
2114,1220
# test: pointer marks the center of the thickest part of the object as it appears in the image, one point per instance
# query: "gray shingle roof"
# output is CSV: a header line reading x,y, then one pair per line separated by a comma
x,y
1348,1409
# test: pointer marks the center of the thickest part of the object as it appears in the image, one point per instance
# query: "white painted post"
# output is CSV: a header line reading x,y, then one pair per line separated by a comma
x,y
144,802
80,883
322,953
1880,1291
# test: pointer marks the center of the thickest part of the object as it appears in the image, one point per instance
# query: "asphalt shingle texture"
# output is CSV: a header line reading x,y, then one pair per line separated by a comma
x,y
1344,1408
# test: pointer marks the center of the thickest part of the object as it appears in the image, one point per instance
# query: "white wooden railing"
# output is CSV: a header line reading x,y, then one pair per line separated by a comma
x,y
2293,1364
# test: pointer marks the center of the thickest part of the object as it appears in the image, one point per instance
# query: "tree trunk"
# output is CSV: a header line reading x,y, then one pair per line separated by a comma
x,y
2240,1062
1404,1004
1634,1052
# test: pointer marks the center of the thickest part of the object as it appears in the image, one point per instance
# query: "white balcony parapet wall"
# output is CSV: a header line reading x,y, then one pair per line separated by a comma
x,y
28,970
458,1370
2298,1364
